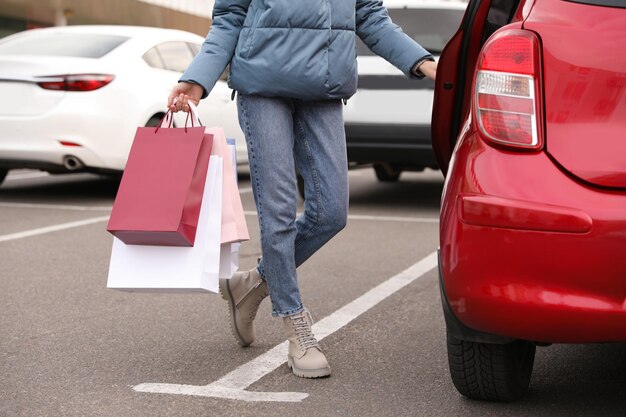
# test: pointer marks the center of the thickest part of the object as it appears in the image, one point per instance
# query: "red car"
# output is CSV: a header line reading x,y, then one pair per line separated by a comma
x,y
529,127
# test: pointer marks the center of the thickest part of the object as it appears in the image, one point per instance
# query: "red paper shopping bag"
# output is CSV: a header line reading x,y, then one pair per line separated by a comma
x,y
159,198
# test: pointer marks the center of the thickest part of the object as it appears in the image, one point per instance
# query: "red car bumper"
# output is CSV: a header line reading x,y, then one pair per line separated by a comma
x,y
529,253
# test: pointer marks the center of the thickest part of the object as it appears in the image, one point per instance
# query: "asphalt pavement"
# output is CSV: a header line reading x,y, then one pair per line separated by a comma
x,y
71,347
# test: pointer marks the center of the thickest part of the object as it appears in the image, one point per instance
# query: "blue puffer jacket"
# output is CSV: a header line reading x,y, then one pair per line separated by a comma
x,y
297,48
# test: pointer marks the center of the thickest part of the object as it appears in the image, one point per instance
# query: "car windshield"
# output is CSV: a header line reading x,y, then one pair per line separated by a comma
x,y
431,28
80,45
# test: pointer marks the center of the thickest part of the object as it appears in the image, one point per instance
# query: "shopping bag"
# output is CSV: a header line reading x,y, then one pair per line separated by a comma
x,y
160,195
234,227
229,256
176,269
229,259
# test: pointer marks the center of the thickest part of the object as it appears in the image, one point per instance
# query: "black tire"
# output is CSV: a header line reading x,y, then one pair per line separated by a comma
x,y
387,173
300,182
154,120
491,372
3,174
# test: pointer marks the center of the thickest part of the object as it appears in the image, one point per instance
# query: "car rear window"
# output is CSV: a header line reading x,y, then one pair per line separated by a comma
x,y
431,28
80,45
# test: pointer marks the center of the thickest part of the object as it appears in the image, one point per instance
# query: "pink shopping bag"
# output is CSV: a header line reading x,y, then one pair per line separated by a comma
x,y
234,227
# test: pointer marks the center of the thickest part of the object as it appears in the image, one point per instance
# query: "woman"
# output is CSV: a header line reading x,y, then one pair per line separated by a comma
x,y
292,63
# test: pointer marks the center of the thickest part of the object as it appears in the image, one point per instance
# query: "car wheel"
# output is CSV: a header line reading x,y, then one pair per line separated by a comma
x,y
154,120
387,173
300,181
492,372
3,174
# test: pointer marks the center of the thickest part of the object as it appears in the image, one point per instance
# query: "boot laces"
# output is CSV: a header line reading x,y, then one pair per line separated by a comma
x,y
302,329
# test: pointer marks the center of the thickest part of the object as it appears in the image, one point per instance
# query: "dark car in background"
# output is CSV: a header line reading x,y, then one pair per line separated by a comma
x,y
388,120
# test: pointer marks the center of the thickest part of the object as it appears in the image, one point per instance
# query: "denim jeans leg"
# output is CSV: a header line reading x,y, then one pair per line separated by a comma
x,y
321,158
281,133
267,124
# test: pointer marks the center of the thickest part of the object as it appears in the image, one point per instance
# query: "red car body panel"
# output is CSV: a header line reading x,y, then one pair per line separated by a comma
x,y
533,242
538,257
584,54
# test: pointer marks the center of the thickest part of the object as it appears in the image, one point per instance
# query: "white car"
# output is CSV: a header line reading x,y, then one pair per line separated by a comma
x,y
74,96
388,119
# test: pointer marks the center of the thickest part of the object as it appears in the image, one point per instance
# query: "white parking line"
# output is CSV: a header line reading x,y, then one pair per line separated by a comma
x,y
55,207
49,229
26,175
377,218
247,213
233,385
63,226
393,218
356,172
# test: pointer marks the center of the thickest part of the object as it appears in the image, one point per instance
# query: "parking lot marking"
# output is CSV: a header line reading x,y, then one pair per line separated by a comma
x,y
393,218
49,229
247,213
233,385
55,207
377,218
356,172
26,175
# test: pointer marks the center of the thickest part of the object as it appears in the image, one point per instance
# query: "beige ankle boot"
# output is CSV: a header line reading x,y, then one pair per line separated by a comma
x,y
305,358
244,293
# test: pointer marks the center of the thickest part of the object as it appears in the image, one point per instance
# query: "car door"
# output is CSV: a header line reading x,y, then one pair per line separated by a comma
x,y
456,69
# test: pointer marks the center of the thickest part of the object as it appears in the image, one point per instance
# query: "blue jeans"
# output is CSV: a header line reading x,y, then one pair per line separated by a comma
x,y
285,135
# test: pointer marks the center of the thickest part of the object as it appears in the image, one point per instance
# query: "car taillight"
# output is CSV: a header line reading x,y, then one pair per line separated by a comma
x,y
507,90
75,82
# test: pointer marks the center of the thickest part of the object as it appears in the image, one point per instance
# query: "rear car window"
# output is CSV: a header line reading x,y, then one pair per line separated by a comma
x,y
431,28
153,58
501,13
195,48
176,56
79,45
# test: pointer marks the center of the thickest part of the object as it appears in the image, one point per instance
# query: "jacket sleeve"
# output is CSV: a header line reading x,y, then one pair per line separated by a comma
x,y
386,39
219,46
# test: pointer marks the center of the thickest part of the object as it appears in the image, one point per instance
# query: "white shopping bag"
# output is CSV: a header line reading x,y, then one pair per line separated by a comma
x,y
229,259
176,269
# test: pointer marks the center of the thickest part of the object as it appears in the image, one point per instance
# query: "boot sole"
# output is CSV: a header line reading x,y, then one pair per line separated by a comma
x,y
224,289
307,373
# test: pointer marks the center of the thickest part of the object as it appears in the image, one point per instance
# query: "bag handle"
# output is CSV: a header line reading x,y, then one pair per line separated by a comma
x,y
168,120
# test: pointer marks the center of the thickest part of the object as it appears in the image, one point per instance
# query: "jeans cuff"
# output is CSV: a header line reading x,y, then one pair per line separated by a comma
x,y
259,267
288,313
260,273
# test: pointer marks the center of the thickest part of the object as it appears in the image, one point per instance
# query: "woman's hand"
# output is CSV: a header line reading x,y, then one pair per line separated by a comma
x,y
429,69
183,93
